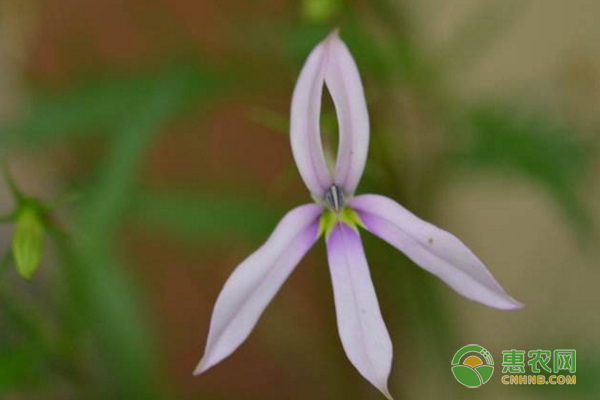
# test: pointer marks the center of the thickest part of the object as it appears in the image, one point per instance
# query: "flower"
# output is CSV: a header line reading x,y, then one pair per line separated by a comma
x,y
337,214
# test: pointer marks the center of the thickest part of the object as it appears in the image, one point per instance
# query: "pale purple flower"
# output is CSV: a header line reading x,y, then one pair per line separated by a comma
x,y
337,214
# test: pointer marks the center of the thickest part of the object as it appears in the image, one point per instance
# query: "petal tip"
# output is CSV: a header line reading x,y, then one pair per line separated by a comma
x,y
386,393
202,367
334,34
516,305
507,304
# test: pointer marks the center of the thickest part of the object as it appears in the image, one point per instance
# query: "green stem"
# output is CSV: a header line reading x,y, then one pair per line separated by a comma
x,y
12,186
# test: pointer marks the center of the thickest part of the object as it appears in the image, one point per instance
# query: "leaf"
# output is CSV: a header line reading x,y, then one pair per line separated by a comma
x,y
95,106
101,291
533,147
113,309
206,216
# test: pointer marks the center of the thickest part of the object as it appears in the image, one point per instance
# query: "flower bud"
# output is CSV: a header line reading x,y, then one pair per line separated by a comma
x,y
28,241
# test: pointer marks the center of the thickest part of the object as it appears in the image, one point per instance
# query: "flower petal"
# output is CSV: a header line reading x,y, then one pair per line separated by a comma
x,y
360,325
255,282
332,64
434,249
343,81
305,132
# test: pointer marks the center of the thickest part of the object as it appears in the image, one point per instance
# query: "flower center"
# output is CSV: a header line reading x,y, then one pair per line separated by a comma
x,y
335,198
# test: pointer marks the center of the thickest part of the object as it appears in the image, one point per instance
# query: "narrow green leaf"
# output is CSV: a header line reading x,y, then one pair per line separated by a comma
x,y
108,298
205,216
95,106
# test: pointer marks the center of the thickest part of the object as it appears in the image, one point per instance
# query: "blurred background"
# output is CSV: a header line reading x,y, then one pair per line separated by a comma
x,y
154,136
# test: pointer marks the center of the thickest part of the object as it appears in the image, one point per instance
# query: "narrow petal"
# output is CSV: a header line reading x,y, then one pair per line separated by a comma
x,y
434,249
305,130
343,81
255,282
332,64
360,325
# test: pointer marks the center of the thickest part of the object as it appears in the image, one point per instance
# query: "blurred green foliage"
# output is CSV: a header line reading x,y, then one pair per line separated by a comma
x,y
207,217
102,301
100,105
533,147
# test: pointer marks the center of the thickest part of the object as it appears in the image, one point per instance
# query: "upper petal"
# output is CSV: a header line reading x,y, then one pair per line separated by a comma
x,y
255,282
343,81
305,130
332,64
434,249
360,325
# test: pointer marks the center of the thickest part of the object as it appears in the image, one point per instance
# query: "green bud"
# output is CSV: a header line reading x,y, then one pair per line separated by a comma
x,y
320,10
28,241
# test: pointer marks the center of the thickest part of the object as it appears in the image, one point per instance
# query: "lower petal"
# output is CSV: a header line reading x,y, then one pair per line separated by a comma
x,y
433,249
254,283
360,325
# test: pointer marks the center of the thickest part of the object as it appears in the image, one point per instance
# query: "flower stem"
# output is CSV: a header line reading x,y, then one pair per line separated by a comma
x,y
12,186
